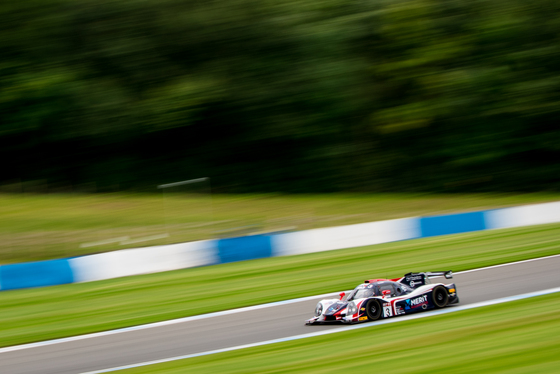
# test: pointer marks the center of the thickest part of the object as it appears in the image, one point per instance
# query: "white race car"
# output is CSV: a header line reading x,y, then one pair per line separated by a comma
x,y
384,298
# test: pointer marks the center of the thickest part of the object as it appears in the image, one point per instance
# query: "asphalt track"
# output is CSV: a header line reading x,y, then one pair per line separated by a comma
x,y
103,351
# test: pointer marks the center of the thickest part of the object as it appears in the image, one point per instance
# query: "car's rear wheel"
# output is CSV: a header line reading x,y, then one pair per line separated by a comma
x,y
440,296
373,310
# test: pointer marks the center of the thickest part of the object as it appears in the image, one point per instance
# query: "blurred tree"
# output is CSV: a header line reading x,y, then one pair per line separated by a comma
x,y
433,95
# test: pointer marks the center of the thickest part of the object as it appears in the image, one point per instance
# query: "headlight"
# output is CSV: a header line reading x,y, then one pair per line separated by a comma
x,y
318,309
351,309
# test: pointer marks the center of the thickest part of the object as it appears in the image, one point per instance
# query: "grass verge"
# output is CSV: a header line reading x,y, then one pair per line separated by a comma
x,y
53,312
38,227
514,337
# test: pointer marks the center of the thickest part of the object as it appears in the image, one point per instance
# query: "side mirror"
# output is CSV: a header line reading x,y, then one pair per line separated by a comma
x,y
386,293
342,294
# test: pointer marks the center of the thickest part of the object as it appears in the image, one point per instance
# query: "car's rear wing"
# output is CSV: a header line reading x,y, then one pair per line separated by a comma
x,y
415,280
446,274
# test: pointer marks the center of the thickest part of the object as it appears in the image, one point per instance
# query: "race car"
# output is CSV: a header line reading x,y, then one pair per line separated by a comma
x,y
383,298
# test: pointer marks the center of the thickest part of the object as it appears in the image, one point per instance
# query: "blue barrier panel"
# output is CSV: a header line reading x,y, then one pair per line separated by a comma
x,y
244,248
452,224
35,274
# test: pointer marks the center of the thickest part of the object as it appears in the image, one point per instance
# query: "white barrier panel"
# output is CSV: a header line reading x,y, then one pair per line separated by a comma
x,y
144,260
349,236
523,216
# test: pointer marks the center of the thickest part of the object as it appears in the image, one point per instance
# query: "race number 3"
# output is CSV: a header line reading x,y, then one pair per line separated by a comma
x,y
387,312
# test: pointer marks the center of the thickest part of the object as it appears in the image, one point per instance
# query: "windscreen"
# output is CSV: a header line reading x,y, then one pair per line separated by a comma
x,y
362,292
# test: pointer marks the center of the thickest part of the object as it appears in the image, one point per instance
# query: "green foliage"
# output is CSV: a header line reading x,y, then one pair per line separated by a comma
x,y
438,95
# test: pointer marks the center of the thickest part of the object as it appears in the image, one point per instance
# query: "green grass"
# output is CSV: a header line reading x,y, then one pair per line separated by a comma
x,y
54,312
37,227
515,337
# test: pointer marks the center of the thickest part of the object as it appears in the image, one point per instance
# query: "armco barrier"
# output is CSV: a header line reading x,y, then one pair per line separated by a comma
x,y
527,215
244,248
209,252
349,236
35,274
452,224
144,260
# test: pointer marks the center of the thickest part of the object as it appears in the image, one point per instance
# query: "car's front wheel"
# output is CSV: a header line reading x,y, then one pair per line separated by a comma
x,y
373,310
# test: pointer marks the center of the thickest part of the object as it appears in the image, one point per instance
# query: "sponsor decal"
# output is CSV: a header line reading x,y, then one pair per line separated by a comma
x,y
386,304
362,309
414,277
362,319
335,307
414,280
417,302
362,286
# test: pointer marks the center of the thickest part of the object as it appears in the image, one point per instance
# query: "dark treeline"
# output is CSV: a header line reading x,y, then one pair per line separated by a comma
x,y
289,95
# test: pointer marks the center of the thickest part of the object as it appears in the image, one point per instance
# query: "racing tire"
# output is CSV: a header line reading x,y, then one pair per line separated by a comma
x,y
440,296
373,310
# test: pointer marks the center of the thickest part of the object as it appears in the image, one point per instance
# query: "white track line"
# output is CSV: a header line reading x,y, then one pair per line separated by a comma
x,y
334,331
162,323
507,264
210,315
